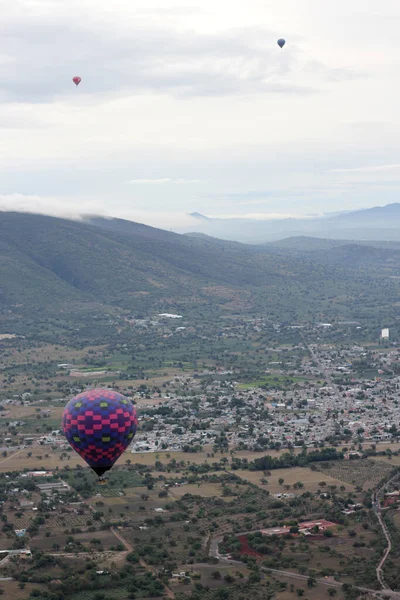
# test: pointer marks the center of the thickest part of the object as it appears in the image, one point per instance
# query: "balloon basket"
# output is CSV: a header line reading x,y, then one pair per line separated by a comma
x,y
102,482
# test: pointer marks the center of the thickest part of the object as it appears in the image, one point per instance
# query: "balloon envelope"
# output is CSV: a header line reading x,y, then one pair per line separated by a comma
x,y
281,42
76,80
99,425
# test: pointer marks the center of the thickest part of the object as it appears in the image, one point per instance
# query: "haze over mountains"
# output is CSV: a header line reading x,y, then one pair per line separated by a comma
x,y
378,223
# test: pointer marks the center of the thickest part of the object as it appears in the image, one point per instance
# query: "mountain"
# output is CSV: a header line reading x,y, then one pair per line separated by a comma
x,y
45,261
356,256
199,216
373,224
55,266
350,254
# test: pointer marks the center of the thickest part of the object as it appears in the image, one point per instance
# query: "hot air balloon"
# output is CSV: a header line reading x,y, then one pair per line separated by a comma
x,y
76,80
99,425
281,42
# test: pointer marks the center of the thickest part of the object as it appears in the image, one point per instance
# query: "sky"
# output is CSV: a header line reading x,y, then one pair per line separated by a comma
x,y
189,106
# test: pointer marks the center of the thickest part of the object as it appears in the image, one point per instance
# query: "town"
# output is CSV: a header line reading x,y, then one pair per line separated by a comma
x,y
295,440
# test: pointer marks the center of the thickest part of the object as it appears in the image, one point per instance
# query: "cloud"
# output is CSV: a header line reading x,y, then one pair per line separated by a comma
x,y
259,216
75,208
42,50
366,169
164,180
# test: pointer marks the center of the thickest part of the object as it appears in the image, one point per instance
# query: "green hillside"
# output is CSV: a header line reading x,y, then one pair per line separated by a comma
x,y
49,264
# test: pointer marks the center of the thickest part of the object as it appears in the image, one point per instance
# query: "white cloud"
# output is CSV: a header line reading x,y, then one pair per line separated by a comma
x,y
258,216
77,208
200,93
165,180
366,169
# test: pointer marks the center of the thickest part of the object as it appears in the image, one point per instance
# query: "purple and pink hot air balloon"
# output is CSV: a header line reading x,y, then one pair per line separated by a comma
x,y
99,425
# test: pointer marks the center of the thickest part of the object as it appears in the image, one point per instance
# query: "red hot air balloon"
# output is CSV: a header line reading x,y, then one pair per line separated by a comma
x,y
76,80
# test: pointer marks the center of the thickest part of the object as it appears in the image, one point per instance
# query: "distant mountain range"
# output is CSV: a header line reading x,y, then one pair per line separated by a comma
x,y
378,223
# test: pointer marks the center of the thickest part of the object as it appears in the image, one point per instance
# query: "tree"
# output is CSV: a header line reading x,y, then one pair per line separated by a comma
x,y
332,592
311,582
300,592
281,481
352,533
216,575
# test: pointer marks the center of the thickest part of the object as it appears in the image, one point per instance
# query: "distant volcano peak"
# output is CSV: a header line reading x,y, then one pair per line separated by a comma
x,y
197,215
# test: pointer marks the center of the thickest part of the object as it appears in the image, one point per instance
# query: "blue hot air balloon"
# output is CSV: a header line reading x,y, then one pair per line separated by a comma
x,y
99,425
281,42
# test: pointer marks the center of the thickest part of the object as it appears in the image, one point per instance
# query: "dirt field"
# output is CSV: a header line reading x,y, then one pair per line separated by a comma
x,y
107,539
48,352
207,490
20,460
319,592
18,412
149,458
13,592
311,480
136,505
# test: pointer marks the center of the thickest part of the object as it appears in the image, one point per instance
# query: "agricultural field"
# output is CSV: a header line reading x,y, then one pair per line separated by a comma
x,y
92,541
135,506
38,457
205,490
392,461
362,473
310,479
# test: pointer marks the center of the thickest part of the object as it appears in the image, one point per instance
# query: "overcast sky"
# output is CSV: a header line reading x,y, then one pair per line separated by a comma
x,y
191,106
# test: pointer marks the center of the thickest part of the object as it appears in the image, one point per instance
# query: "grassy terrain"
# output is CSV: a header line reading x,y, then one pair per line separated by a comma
x,y
310,479
361,473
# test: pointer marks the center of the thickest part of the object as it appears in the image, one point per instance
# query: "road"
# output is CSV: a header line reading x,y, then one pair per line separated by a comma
x,y
377,509
333,583
289,574
326,372
11,456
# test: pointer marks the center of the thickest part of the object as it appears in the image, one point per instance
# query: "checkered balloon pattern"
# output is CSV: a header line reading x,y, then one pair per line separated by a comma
x,y
99,425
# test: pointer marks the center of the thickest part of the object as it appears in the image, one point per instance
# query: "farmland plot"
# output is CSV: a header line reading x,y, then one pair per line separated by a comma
x,y
363,473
